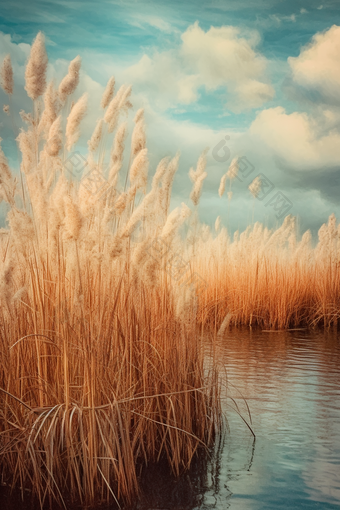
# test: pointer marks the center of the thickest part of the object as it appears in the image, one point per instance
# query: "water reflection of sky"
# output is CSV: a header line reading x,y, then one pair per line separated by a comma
x,y
291,383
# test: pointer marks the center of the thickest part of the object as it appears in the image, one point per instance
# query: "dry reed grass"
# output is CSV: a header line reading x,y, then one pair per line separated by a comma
x,y
269,278
101,366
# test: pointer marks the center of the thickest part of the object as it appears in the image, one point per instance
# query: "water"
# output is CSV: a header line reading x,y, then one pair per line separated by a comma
x,y
291,382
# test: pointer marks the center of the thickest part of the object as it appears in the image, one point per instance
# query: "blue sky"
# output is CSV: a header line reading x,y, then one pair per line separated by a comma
x,y
264,73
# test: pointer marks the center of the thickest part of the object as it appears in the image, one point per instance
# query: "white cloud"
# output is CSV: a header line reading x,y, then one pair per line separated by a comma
x,y
296,138
218,58
317,67
18,51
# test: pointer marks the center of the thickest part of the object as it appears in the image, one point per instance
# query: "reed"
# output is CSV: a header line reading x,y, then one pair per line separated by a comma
x,y
101,370
271,279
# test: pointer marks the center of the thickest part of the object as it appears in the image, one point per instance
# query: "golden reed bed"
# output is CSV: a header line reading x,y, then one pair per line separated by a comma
x,y
104,300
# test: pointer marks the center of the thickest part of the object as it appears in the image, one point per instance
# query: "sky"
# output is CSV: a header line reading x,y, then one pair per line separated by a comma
x,y
258,80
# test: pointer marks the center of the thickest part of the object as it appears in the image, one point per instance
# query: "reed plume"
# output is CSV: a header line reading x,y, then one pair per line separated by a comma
x,y
6,75
138,141
117,153
70,82
96,136
255,186
139,169
119,103
221,189
73,219
108,93
54,141
233,169
51,108
73,121
218,223
35,74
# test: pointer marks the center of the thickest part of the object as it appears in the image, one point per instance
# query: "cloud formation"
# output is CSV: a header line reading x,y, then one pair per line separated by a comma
x,y
317,68
296,138
220,58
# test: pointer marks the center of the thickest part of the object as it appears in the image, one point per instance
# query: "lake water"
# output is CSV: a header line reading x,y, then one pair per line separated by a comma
x,y
291,382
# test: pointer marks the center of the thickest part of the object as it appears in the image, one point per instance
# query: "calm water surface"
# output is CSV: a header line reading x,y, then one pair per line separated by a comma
x,y
291,382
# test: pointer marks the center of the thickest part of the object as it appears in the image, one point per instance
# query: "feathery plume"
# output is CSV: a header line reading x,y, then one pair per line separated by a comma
x,y
198,177
200,168
54,142
35,74
218,223
70,82
170,173
51,108
112,109
7,184
167,181
119,102
139,169
5,173
118,144
221,189
73,219
6,285
117,153
6,74
138,141
160,172
168,177
116,247
195,195
21,226
140,212
26,146
125,100
233,169
174,221
26,117
185,304
6,109
124,200
73,121
96,136
255,186
124,105
108,93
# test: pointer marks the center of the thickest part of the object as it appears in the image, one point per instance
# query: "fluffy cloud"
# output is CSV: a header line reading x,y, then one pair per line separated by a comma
x,y
300,140
218,58
317,68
